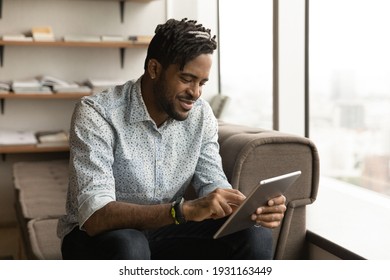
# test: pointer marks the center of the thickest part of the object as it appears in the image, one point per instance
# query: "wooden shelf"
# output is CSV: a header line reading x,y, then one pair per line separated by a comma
x,y
4,96
19,149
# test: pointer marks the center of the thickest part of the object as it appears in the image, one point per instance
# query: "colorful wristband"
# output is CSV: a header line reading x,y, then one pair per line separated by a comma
x,y
176,211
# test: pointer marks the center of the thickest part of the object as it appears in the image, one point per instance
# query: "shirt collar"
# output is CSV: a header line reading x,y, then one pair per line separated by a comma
x,y
138,110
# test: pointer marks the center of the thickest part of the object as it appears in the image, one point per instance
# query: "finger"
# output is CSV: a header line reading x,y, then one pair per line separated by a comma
x,y
274,217
271,209
274,224
230,196
220,210
277,200
268,220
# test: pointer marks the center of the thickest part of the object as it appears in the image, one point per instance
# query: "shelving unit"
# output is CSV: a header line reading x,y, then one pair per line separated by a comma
x,y
122,46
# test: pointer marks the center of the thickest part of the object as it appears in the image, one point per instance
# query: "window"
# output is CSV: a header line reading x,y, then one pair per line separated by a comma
x,y
350,90
246,61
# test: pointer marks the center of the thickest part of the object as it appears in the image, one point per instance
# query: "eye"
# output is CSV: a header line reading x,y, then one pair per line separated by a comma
x,y
186,80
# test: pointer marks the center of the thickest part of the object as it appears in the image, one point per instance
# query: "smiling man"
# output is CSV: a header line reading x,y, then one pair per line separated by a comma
x,y
136,148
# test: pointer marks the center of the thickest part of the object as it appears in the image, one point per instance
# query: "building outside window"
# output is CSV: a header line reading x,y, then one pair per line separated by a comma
x,y
349,89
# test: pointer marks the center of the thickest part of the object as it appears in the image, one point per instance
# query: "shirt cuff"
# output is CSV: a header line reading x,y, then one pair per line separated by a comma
x,y
205,190
90,205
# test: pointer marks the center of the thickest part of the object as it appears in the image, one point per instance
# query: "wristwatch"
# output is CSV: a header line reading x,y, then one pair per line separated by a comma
x,y
176,211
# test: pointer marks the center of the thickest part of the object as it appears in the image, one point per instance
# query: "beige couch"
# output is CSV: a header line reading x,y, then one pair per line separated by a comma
x,y
248,154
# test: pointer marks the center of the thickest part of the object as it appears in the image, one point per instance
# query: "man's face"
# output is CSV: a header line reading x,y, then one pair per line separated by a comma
x,y
176,91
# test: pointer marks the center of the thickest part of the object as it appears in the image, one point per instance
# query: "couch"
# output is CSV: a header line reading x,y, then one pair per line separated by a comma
x,y
248,155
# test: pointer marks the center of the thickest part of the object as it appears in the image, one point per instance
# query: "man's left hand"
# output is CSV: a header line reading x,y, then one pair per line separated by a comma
x,y
271,215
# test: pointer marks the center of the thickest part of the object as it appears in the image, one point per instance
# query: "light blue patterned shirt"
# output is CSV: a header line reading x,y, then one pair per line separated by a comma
x,y
119,154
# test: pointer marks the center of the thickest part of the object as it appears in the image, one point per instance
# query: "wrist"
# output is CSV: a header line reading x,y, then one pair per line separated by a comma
x,y
176,211
186,210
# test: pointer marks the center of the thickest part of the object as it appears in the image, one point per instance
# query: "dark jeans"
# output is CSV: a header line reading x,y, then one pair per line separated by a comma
x,y
189,241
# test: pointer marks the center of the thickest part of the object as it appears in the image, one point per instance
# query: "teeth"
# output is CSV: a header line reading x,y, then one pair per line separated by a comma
x,y
187,104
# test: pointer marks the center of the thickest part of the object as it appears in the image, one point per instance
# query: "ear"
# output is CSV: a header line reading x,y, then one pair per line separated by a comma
x,y
154,69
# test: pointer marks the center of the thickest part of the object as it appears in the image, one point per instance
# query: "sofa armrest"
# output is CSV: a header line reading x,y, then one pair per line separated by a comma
x,y
253,154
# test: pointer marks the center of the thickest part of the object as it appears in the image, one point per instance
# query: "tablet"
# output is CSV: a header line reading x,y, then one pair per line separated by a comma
x,y
264,191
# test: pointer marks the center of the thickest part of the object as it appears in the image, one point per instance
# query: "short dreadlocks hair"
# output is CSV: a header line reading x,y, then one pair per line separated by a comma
x,y
178,42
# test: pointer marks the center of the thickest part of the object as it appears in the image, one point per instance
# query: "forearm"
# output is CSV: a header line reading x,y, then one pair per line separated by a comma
x,y
117,215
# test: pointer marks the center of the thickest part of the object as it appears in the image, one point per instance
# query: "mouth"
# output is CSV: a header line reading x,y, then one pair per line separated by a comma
x,y
186,104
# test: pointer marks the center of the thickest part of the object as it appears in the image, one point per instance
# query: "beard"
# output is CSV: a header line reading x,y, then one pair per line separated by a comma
x,y
166,100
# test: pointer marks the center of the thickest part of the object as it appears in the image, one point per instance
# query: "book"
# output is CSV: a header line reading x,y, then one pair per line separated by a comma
x,y
22,90
52,138
5,87
53,144
47,80
112,38
29,86
61,86
82,38
44,33
72,89
17,137
16,37
98,85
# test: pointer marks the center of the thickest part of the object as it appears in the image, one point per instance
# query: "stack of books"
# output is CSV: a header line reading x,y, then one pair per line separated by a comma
x,y
42,33
112,38
98,85
16,37
93,38
16,137
5,87
31,86
61,86
57,138
82,38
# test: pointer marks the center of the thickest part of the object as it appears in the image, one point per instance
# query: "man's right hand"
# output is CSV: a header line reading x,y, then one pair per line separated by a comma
x,y
217,204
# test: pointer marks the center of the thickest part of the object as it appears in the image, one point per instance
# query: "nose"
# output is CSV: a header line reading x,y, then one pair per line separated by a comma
x,y
195,91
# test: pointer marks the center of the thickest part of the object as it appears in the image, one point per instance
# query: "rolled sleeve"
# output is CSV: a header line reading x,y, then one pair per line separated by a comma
x,y
90,204
91,161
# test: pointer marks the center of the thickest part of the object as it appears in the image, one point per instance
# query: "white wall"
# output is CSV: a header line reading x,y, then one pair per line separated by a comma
x,y
292,66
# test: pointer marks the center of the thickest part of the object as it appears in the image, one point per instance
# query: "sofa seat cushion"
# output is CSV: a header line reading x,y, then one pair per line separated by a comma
x,y
41,188
45,245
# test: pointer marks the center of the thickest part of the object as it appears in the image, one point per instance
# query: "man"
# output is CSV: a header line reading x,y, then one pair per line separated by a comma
x,y
134,151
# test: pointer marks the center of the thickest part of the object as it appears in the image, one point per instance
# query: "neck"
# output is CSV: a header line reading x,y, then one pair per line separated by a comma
x,y
154,109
